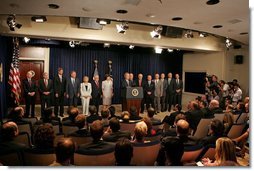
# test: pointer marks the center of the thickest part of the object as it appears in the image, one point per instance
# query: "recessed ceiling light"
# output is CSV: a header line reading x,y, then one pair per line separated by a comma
x,y
131,46
158,50
106,45
244,33
39,19
212,2
26,39
121,11
150,15
53,6
177,18
217,26
170,50
103,21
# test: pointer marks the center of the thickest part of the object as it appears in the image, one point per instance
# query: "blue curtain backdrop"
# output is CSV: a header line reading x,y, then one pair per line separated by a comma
x,y
139,60
5,58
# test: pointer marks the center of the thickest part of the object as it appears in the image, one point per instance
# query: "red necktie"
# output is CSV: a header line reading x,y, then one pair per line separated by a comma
x,y
97,84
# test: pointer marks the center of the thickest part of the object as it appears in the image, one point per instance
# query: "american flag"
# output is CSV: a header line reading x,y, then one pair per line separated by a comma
x,y
14,76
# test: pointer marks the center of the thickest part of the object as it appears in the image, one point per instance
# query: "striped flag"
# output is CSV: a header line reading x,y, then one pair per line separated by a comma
x,y
14,76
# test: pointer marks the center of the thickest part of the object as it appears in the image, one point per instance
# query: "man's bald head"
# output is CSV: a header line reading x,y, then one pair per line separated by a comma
x,y
9,131
64,150
214,104
182,127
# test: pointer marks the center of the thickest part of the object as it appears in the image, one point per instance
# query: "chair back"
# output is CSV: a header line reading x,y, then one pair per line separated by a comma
x,y
191,153
236,130
56,129
145,154
94,160
207,152
38,159
69,129
23,138
32,120
202,128
81,140
25,128
219,116
242,118
128,127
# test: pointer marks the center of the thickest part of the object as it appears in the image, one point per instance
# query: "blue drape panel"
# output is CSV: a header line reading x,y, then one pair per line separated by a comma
x,y
124,60
5,59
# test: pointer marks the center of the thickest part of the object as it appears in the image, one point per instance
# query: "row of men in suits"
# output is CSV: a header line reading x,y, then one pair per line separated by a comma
x,y
160,93
55,91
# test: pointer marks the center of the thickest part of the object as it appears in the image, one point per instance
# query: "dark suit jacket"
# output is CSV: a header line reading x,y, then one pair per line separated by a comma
x,y
72,90
164,86
150,88
124,85
142,83
179,86
7,147
209,140
193,117
96,91
115,136
171,88
93,117
28,88
59,87
96,148
211,112
133,83
80,133
43,88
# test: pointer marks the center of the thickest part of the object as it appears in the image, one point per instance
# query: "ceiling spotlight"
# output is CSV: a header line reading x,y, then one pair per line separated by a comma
x,y
158,50
228,43
26,39
103,21
156,33
11,21
72,43
203,34
122,28
131,46
106,45
39,19
170,50
188,34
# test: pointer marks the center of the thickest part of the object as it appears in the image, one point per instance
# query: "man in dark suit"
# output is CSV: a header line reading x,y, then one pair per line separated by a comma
x,y
124,84
149,92
164,92
170,91
59,92
194,115
178,90
113,134
131,79
73,89
96,92
46,90
141,83
98,146
30,89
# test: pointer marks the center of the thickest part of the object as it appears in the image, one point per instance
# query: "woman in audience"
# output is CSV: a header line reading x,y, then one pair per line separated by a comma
x,y
224,151
93,115
140,132
44,137
80,121
123,152
85,94
125,116
228,119
107,91
150,130
105,116
239,109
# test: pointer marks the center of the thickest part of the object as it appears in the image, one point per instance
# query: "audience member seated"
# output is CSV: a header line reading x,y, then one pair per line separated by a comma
x,y
150,114
171,131
239,109
194,115
224,151
98,146
80,122
214,108
150,130
228,119
216,131
48,118
93,115
113,134
112,111
204,109
105,116
125,116
70,120
171,118
9,131
171,152
123,152
140,132
134,114
64,151
44,137
16,115
182,131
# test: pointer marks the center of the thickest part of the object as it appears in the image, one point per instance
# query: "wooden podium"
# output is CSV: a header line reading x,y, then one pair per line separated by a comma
x,y
133,97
